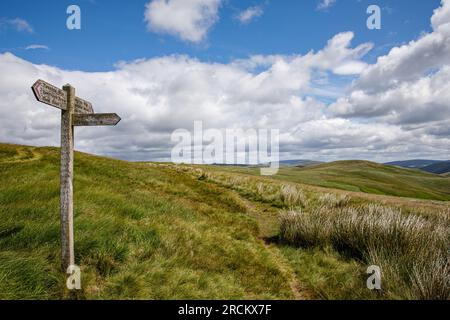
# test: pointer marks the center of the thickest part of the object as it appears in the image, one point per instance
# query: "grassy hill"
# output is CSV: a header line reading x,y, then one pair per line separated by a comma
x,y
163,231
367,177
141,231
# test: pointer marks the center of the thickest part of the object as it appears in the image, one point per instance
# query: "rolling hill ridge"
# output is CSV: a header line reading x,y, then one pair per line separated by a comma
x,y
413,164
431,166
367,177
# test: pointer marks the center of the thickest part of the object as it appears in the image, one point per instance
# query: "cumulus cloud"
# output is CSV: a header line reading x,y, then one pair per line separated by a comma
x,y
325,4
190,20
250,14
410,85
396,108
17,24
156,96
441,16
423,100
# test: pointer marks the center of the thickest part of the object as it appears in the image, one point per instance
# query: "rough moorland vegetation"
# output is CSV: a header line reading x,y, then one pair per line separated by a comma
x,y
408,239
163,231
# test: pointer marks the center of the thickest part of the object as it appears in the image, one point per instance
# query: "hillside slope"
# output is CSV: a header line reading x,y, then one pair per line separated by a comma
x,y
164,231
374,178
142,231
367,177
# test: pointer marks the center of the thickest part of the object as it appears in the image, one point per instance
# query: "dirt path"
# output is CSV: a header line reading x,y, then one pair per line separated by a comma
x,y
268,223
267,218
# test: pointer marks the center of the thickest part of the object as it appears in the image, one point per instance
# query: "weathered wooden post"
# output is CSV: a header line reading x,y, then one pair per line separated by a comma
x,y
66,206
74,112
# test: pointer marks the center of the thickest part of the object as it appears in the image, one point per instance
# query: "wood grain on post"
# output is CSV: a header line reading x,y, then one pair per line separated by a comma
x,y
67,145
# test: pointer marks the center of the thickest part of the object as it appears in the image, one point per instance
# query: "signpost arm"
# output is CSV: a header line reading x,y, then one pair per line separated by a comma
x,y
67,145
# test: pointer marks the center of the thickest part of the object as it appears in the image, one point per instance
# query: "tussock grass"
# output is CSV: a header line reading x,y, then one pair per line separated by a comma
x,y
409,239
365,177
412,251
291,196
162,231
142,231
331,200
281,195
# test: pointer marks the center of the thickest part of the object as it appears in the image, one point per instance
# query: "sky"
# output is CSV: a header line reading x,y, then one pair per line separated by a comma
x,y
311,69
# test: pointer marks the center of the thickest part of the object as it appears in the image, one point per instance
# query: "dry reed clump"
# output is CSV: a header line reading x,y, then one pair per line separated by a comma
x,y
432,280
236,181
284,195
331,200
265,192
412,251
292,196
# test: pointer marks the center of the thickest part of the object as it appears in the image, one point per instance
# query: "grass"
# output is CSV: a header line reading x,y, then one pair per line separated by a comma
x,y
326,275
399,244
366,177
330,238
163,231
141,232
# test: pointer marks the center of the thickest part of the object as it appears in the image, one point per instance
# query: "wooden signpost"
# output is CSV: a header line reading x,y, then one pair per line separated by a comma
x,y
74,112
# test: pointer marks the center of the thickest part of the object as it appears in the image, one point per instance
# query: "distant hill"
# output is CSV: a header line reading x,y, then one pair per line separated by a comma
x,y
413,164
283,163
299,163
370,177
438,168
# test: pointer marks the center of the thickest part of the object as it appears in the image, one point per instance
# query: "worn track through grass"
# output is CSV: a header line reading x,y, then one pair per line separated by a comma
x,y
267,224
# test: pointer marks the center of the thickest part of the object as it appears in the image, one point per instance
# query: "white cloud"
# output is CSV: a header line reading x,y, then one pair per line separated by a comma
x,y
410,85
190,20
325,4
17,24
396,108
250,14
423,100
156,96
441,16
37,46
